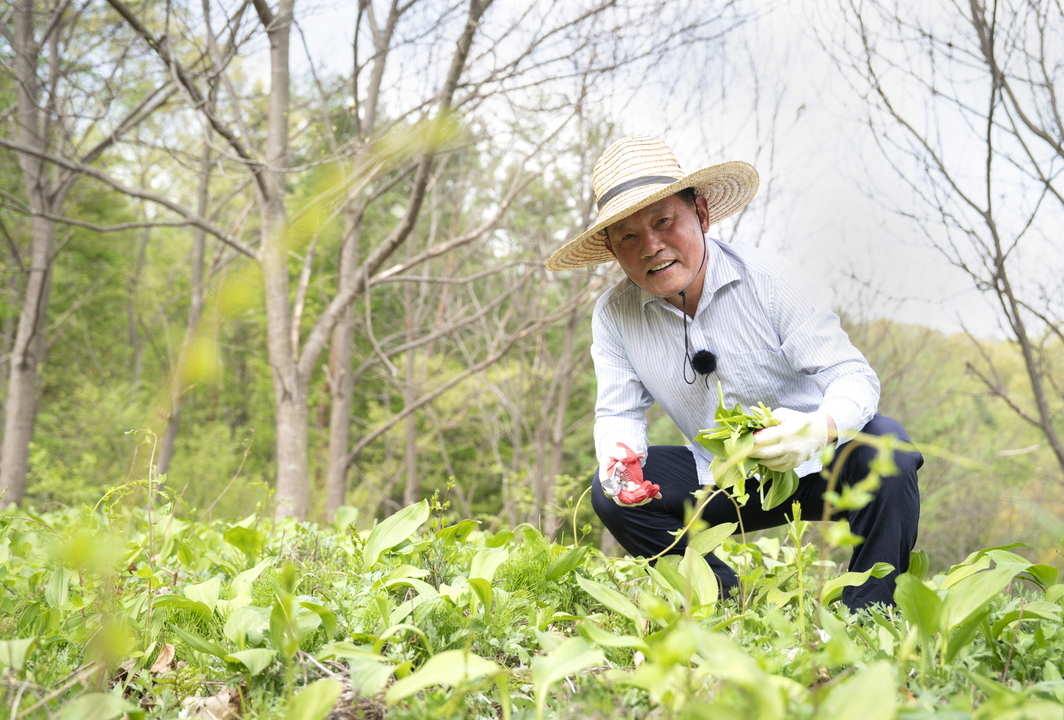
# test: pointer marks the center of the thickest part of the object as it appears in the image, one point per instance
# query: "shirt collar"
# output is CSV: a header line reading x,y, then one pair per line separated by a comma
x,y
720,271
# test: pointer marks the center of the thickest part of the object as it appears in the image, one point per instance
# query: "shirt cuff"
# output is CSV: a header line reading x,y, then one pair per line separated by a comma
x,y
610,431
849,417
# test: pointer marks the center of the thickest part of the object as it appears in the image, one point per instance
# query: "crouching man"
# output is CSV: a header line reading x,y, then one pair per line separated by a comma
x,y
692,313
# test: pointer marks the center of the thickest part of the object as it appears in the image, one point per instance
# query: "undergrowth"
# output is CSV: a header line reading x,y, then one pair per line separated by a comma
x,y
115,611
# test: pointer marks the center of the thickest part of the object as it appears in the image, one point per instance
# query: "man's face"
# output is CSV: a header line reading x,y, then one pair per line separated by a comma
x,y
660,248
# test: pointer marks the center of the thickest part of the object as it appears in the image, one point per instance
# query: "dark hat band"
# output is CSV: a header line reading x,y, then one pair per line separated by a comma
x,y
632,184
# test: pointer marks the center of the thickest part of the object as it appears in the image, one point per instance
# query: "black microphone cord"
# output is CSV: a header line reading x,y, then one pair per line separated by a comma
x,y
703,362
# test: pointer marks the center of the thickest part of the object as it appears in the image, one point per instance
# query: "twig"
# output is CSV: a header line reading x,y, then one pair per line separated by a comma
x,y
68,682
321,667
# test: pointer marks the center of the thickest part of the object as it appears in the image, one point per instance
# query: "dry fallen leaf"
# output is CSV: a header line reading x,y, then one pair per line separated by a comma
x,y
165,660
223,706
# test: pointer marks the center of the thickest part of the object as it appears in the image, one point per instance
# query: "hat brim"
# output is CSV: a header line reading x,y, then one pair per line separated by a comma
x,y
727,187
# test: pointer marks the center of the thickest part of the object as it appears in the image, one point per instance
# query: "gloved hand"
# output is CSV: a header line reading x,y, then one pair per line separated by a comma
x,y
798,437
622,478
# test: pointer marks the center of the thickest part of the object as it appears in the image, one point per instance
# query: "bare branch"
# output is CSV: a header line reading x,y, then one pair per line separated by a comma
x,y
103,177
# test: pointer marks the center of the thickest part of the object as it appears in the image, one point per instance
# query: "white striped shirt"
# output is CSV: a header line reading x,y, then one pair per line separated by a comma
x,y
776,339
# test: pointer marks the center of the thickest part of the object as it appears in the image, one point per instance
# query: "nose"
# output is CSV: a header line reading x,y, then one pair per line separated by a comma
x,y
652,244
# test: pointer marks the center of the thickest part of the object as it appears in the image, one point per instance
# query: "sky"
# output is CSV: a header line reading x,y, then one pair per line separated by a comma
x,y
828,201
833,202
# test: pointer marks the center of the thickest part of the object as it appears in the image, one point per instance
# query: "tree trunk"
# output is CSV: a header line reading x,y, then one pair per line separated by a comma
x,y
341,380
566,367
412,491
26,355
341,346
195,312
289,385
136,342
29,346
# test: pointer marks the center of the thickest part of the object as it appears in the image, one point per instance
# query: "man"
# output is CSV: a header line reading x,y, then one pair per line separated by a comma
x,y
753,326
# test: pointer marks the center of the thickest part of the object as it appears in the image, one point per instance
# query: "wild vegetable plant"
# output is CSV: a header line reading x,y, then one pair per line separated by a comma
x,y
731,443
413,618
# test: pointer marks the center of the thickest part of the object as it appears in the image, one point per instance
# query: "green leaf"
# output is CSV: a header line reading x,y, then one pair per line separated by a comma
x,y
500,539
346,650
832,590
667,568
370,672
566,562
868,695
247,624
247,540
369,678
707,541
964,570
99,706
607,639
1054,593
979,554
284,632
205,592
287,580
612,599
13,653
919,564
314,701
1003,556
570,657
57,593
483,591
177,601
783,486
920,605
394,530
1030,611
1043,575
969,596
344,517
452,667
459,532
714,445
722,656
486,562
198,643
328,617
255,660
964,633
702,581
241,588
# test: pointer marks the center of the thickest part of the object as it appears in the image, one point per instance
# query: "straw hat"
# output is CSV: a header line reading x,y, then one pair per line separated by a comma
x,y
639,170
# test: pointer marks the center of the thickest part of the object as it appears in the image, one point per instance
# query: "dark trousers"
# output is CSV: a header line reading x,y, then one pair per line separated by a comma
x,y
888,523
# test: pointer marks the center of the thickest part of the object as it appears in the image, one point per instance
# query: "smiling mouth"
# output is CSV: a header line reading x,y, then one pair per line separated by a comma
x,y
658,268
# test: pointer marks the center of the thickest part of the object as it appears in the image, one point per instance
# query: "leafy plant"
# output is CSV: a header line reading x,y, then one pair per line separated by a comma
x,y
731,443
502,625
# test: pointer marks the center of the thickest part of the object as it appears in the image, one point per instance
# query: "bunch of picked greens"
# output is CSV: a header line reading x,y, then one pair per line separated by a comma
x,y
731,442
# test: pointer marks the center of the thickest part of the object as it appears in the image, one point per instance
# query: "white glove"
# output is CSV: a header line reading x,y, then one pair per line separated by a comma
x,y
798,437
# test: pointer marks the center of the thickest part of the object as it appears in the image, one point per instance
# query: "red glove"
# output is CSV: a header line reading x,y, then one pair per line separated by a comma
x,y
627,476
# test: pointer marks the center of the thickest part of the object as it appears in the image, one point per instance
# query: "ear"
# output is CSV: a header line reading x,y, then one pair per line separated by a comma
x,y
702,208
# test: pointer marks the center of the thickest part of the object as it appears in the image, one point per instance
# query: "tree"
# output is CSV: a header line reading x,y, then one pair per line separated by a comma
x,y
58,137
963,101
523,57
